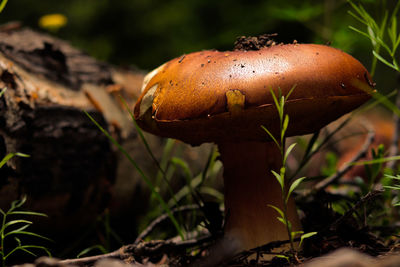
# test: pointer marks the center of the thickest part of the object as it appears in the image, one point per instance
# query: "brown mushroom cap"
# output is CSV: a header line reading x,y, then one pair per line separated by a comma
x,y
213,96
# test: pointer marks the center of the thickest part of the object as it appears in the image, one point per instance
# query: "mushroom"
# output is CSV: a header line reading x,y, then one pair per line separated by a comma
x,y
225,98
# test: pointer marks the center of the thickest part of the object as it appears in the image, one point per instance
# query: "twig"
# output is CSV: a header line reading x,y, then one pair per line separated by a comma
x,y
92,259
310,152
368,197
335,177
141,250
147,249
161,219
265,249
394,146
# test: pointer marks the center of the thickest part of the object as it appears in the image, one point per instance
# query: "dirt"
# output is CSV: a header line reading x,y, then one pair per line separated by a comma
x,y
366,244
244,43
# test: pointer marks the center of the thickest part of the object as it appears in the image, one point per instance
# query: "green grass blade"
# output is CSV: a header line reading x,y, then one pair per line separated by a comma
x,y
20,248
396,45
392,176
10,156
141,135
187,173
311,143
3,5
281,108
212,192
290,92
396,9
6,158
282,220
212,168
185,190
305,236
33,234
375,161
383,24
284,128
392,187
2,91
101,248
370,21
17,230
17,204
281,214
360,32
358,17
10,223
287,153
384,45
280,179
381,99
31,213
396,66
372,36
293,186
392,31
184,165
144,177
26,247
277,105
295,233
148,149
306,158
211,160
271,135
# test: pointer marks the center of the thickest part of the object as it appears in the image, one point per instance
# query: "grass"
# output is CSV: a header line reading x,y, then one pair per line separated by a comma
x,y
384,38
12,225
194,184
143,175
287,186
167,167
383,34
17,228
3,4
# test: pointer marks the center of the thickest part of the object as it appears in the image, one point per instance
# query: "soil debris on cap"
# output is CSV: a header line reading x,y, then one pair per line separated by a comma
x,y
254,42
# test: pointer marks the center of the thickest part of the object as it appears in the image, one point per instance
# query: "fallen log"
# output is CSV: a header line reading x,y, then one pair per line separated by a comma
x,y
73,173
72,166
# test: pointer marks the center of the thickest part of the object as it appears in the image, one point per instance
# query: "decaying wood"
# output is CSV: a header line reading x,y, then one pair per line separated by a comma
x,y
53,59
73,172
72,165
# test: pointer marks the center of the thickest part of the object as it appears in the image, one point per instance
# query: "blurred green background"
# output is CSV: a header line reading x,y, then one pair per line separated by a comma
x,y
146,33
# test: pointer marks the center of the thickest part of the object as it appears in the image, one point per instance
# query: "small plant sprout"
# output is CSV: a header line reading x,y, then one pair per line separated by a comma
x,y
145,178
382,35
395,187
2,91
10,156
227,101
16,228
373,170
287,187
3,4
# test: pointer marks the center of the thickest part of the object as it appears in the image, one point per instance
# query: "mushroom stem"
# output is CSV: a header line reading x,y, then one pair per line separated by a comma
x,y
249,188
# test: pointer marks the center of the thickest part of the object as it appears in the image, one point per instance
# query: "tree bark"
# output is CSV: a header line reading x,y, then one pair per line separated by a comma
x,y
72,165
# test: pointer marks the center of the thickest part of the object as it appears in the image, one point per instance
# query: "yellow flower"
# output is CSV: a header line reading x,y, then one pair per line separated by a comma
x,y
52,22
